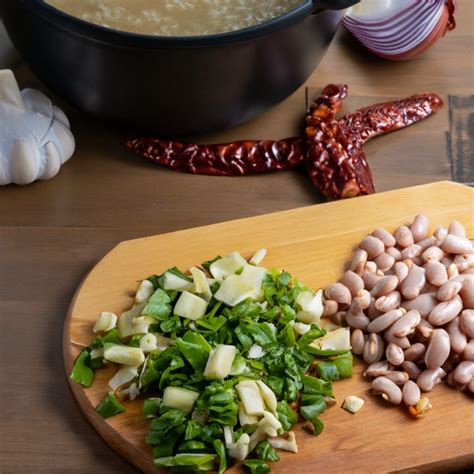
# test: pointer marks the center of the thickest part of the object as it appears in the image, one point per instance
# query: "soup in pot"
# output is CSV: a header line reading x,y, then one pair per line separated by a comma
x,y
176,17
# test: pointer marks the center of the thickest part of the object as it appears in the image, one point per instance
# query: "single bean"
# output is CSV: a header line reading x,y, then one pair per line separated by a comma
x,y
394,354
371,267
411,369
425,243
397,376
403,342
433,253
411,393
362,299
357,320
411,252
372,311
467,292
405,324
385,236
463,262
457,245
468,352
445,312
401,271
418,261
394,252
377,369
440,233
456,228
330,307
438,349
452,270
373,349
457,338
339,293
415,352
384,286
372,245
413,283
339,318
357,341
352,281
388,302
358,262
370,279
449,290
384,321
466,323
450,380
424,304
403,236
384,261
464,372
436,273
388,389
419,227
429,378
425,328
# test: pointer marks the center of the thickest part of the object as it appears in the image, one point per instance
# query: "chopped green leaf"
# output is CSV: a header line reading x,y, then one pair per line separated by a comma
x,y
151,407
257,466
286,416
81,371
220,450
266,452
110,406
158,305
208,263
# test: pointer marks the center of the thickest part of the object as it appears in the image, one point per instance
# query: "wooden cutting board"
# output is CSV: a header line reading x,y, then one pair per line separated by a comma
x,y
312,243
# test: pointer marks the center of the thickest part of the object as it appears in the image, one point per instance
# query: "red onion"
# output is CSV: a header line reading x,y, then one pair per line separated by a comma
x,y
400,29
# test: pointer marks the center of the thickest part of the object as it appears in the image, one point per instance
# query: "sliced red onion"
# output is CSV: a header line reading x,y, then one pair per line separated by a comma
x,y
400,29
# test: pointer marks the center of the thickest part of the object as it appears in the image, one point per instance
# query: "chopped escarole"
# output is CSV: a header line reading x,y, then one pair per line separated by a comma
x,y
221,353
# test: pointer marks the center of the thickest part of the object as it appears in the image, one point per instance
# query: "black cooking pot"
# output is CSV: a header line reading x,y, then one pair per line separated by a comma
x,y
172,85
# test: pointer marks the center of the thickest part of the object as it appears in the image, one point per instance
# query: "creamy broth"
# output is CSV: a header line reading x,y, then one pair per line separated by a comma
x,y
176,17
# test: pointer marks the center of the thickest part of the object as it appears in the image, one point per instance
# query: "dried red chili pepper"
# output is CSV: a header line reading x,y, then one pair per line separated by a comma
x,y
226,159
335,159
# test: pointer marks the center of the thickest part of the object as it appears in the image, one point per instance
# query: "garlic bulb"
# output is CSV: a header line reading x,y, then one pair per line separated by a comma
x,y
35,139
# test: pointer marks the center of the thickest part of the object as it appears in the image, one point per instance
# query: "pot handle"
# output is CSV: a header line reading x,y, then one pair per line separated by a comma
x,y
319,5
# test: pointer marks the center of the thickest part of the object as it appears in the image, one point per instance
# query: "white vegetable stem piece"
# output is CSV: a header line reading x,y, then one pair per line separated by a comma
x,y
353,403
172,281
106,322
338,340
227,265
144,291
180,398
122,377
220,361
35,138
201,283
249,394
190,306
258,257
311,307
124,355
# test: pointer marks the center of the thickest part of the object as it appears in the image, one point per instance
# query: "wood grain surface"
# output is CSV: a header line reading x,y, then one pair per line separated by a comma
x,y
53,232
379,437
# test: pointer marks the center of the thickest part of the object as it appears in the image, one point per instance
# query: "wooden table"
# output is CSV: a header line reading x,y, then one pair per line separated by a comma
x,y
52,233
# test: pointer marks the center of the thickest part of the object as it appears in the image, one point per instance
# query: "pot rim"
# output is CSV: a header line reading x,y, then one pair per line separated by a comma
x,y
103,34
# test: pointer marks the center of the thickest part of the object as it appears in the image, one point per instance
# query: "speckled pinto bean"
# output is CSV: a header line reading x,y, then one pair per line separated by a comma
x,y
457,245
358,262
374,349
424,304
394,354
457,338
384,321
377,369
384,286
456,228
404,325
425,328
394,252
352,281
445,312
411,369
330,307
463,262
468,352
419,227
438,349
357,341
429,378
403,236
440,233
401,271
384,261
372,311
467,291
411,252
372,245
397,376
403,342
362,299
413,283
371,267
356,319
433,253
464,372
411,393
389,302
415,352
339,293
448,291
388,389
466,323
425,243
435,273
385,236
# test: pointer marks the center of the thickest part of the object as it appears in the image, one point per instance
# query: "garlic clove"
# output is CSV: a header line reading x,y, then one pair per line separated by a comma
x,y
60,116
24,165
53,161
65,138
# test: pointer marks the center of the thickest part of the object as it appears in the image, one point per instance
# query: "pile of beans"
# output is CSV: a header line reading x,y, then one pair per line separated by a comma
x,y
409,300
